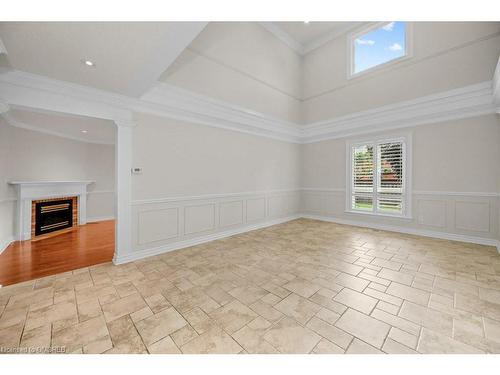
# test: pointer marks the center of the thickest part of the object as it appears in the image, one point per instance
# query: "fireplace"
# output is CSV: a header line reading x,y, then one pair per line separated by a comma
x,y
51,215
29,193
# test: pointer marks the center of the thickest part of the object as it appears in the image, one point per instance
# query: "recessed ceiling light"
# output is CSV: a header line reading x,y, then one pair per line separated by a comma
x,y
84,131
306,22
88,63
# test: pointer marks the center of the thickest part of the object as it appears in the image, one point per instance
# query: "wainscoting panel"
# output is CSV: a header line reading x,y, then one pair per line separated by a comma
x,y
158,224
472,216
199,218
256,209
464,216
175,222
431,212
230,213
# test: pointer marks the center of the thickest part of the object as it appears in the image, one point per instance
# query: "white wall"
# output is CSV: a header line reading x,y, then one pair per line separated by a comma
x,y
200,182
446,55
7,204
31,155
242,63
455,179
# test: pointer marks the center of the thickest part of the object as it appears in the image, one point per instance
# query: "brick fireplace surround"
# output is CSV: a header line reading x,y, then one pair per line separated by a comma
x,y
33,214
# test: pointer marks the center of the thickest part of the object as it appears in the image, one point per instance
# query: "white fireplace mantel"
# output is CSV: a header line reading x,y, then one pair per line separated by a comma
x,y
27,191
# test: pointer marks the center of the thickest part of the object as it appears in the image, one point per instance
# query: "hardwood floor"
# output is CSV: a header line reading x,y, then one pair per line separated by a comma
x,y
87,245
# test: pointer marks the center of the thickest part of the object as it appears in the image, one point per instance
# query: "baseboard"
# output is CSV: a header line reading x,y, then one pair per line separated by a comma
x,y
414,231
99,218
4,243
139,254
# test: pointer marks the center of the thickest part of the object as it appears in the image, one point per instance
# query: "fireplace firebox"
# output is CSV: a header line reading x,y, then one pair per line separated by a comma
x,y
53,215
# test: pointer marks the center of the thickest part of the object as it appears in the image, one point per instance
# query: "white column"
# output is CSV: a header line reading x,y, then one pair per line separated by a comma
x,y
123,182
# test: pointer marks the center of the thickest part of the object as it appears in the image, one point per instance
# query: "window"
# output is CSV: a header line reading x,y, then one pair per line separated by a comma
x,y
379,45
378,173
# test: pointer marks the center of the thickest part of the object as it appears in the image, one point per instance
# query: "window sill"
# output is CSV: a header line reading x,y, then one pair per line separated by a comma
x,y
375,214
379,68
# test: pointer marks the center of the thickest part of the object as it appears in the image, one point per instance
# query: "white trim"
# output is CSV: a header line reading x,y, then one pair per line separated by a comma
x,y
4,244
324,190
282,35
183,198
468,101
99,218
18,124
304,49
406,138
123,187
383,66
496,86
377,214
413,231
138,254
415,192
29,90
457,193
322,40
27,191
171,101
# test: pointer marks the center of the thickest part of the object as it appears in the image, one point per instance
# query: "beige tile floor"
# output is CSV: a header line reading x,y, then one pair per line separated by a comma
x,y
301,287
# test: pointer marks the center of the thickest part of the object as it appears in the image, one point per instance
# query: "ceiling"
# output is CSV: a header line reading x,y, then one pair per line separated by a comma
x,y
305,33
129,56
63,125
304,37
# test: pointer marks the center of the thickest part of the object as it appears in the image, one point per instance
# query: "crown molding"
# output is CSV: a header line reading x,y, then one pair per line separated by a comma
x,y
331,35
183,104
282,35
304,49
18,124
496,86
32,91
469,101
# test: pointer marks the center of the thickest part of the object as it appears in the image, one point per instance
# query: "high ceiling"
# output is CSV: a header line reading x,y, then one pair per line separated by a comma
x,y
128,56
85,129
305,33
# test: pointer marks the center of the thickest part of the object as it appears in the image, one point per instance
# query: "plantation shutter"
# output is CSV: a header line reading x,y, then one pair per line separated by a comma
x,y
362,181
390,177
378,177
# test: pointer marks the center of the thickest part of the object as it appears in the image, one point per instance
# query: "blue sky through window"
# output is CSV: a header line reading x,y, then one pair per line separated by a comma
x,y
379,46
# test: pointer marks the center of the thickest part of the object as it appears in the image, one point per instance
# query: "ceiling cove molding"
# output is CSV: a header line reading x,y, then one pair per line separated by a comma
x,y
304,49
186,104
315,44
18,124
469,101
32,91
496,86
282,35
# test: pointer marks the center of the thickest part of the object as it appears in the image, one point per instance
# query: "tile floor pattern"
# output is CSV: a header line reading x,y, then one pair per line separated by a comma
x,y
301,287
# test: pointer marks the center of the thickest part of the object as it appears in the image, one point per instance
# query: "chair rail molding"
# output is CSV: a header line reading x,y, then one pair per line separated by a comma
x,y
29,90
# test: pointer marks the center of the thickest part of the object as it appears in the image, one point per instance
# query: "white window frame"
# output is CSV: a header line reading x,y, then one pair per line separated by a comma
x,y
406,138
351,39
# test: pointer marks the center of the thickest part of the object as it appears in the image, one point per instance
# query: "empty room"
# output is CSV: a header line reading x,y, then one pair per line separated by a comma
x,y
250,187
